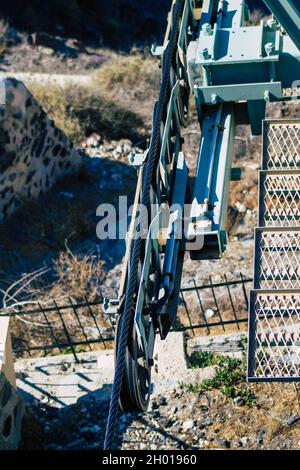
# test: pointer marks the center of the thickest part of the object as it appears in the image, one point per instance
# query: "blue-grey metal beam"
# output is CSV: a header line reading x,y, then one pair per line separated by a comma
x,y
232,62
287,13
208,215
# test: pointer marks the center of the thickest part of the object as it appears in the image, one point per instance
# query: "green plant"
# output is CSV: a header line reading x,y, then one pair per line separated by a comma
x,y
229,379
201,359
78,348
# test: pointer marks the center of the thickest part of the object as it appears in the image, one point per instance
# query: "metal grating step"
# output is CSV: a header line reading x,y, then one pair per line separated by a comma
x,y
281,145
274,335
274,313
277,258
279,201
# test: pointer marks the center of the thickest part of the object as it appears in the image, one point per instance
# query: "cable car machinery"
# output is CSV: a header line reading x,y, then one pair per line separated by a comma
x,y
233,70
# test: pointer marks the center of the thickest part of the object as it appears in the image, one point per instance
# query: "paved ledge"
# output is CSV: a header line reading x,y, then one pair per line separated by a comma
x,y
233,344
59,381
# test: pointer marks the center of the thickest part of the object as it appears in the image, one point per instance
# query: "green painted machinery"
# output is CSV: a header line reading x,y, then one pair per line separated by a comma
x,y
232,69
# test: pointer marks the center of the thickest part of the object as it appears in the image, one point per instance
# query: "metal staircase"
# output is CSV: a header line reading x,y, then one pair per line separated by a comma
x,y
274,315
233,70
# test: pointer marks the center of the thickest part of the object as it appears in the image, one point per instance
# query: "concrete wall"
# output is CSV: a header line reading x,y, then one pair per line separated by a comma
x,y
34,154
11,402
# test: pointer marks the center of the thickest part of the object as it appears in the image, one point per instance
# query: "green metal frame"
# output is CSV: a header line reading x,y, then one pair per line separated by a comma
x,y
241,66
287,13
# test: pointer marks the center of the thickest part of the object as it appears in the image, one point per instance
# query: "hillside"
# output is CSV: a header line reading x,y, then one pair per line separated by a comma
x,y
117,23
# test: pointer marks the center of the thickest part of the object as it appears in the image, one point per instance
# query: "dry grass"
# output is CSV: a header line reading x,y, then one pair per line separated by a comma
x,y
77,277
55,101
269,418
132,82
2,48
129,77
79,112
3,28
71,276
118,105
256,16
72,280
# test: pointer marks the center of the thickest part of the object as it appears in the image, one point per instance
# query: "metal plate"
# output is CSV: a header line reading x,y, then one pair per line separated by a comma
x,y
274,313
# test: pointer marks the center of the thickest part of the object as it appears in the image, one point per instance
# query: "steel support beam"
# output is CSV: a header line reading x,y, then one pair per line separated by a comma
x,y
210,198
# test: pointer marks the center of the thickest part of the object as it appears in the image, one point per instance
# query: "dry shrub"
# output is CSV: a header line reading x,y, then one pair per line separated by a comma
x,y
71,276
71,280
54,99
132,76
132,82
118,105
256,16
80,111
77,277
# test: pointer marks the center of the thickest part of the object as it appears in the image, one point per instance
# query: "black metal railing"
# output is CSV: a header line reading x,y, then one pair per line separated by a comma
x,y
74,327
214,306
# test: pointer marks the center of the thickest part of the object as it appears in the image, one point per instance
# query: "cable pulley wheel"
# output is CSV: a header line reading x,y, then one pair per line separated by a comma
x,y
136,382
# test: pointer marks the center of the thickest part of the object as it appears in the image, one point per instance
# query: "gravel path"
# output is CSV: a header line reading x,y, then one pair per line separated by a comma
x,y
49,79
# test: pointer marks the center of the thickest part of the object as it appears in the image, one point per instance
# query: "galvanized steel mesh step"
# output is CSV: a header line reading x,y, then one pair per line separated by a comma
x,y
274,314
274,335
277,258
281,145
279,203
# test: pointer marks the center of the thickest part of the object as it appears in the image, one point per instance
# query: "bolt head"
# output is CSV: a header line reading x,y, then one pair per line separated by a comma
x,y
270,48
272,24
214,100
267,96
207,29
205,54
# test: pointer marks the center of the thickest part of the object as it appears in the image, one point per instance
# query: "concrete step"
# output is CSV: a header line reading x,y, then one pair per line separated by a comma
x,y
59,381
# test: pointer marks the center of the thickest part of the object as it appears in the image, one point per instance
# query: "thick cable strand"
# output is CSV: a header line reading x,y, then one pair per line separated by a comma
x,y
141,226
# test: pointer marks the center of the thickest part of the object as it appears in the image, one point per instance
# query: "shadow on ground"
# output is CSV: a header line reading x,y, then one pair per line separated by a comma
x,y
35,236
81,426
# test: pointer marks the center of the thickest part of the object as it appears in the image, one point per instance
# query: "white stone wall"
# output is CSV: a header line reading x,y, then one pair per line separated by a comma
x,y
11,414
34,153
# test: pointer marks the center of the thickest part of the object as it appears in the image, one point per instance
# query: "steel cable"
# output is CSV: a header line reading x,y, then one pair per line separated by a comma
x,y
142,225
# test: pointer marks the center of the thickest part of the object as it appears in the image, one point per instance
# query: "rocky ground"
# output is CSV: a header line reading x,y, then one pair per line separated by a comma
x,y
181,415
178,420
117,24
43,53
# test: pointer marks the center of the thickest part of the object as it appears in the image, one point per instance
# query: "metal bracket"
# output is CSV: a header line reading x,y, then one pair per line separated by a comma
x,y
111,306
157,51
236,174
237,92
137,159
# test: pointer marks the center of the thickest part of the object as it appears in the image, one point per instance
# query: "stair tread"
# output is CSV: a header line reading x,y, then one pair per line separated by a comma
x,y
274,311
